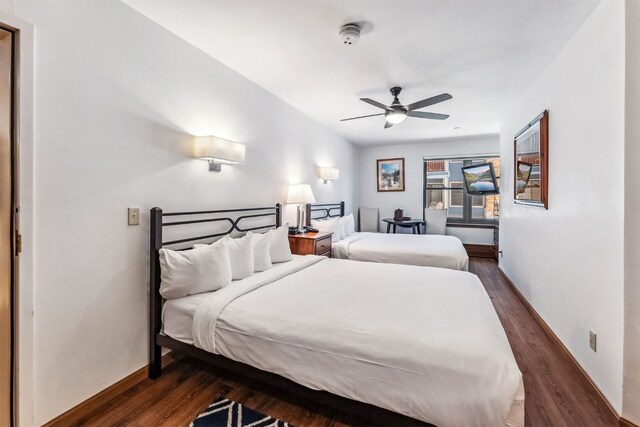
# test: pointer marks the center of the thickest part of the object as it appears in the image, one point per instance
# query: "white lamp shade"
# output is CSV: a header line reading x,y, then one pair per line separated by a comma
x,y
300,193
219,150
329,173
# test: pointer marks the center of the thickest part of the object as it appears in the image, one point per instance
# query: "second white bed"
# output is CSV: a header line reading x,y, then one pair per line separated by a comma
x,y
412,249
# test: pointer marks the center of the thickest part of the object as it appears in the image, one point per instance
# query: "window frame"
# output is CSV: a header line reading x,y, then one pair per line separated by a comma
x,y
452,188
484,202
467,219
432,188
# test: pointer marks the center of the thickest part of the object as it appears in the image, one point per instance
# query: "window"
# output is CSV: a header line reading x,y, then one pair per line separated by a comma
x,y
456,195
477,201
435,196
444,189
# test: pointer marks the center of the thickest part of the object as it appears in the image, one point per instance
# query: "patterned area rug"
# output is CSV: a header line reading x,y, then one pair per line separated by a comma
x,y
227,413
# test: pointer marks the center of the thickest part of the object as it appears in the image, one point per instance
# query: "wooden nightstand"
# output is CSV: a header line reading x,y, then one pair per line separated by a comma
x,y
311,244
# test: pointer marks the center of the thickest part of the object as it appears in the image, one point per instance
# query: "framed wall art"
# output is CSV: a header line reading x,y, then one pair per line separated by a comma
x,y
390,174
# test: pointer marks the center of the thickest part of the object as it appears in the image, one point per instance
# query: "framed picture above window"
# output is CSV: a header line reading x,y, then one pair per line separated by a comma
x,y
531,163
390,174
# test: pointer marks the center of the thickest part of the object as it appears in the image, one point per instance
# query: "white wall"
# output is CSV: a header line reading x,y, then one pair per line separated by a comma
x,y
410,200
631,381
568,260
116,100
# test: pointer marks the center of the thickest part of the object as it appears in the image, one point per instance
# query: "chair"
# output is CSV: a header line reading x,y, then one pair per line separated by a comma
x,y
436,221
369,219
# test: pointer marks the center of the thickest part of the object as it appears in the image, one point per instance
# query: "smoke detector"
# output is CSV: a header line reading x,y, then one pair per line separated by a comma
x,y
349,34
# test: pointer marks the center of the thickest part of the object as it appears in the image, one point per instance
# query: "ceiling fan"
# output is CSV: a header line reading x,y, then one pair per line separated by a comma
x,y
397,113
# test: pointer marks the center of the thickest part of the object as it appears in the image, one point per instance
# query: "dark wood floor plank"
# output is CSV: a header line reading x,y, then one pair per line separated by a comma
x,y
190,396
539,404
122,409
520,350
543,387
555,395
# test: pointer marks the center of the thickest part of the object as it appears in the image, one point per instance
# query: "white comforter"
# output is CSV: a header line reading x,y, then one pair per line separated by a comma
x,y
414,249
424,342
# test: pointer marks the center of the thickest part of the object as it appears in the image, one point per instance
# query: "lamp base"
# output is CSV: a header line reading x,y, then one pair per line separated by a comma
x,y
301,218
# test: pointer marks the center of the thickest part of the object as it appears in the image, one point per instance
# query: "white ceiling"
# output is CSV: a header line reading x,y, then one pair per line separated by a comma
x,y
485,53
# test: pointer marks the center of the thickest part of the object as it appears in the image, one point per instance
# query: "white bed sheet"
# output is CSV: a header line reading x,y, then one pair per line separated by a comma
x,y
177,314
424,342
412,249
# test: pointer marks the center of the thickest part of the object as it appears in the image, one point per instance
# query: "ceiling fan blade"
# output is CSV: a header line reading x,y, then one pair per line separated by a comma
x,y
374,103
362,117
429,101
425,115
387,124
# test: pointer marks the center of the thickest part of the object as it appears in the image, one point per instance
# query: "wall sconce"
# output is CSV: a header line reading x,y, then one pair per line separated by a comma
x,y
218,152
328,174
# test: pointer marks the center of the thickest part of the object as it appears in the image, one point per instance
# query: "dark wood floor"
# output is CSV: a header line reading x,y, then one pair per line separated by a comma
x,y
555,396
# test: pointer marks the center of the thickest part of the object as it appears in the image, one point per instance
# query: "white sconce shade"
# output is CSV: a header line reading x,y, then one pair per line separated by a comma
x,y
219,151
328,174
301,194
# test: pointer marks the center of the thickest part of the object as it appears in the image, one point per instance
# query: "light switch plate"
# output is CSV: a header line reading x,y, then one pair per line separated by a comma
x,y
592,340
134,216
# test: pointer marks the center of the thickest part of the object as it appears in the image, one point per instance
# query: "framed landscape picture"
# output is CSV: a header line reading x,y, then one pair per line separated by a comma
x,y
390,174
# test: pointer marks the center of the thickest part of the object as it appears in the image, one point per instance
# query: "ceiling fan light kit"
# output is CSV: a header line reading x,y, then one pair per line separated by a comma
x,y
395,117
397,113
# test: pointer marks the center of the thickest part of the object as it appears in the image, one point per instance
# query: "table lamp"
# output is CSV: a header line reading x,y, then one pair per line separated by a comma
x,y
300,194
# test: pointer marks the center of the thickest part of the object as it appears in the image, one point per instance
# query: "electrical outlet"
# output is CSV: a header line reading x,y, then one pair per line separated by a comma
x,y
592,340
134,216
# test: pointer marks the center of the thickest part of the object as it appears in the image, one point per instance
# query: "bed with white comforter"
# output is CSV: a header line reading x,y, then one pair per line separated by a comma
x,y
413,249
423,342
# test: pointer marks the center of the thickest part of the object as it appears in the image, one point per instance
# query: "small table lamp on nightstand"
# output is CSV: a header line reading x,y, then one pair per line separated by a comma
x,y
300,194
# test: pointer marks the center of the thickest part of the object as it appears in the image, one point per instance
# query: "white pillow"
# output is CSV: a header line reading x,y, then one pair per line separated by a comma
x,y
261,248
342,223
194,271
329,226
341,228
279,249
240,255
349,225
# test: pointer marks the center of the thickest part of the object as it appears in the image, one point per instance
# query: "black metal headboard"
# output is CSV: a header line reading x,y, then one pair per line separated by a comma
x,y
158,224
324,211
